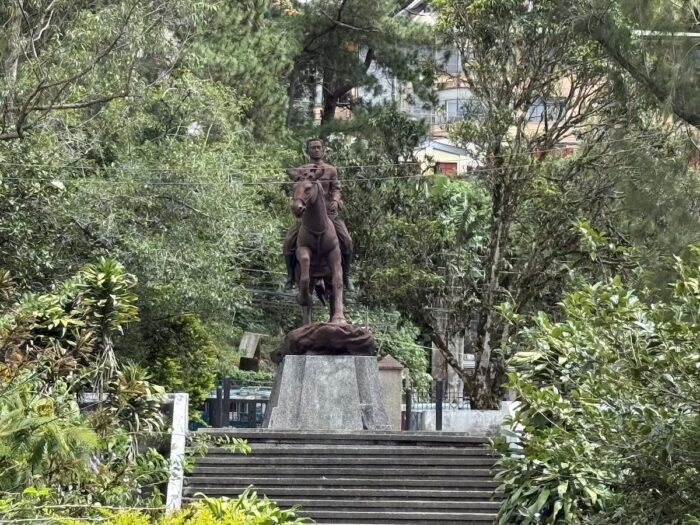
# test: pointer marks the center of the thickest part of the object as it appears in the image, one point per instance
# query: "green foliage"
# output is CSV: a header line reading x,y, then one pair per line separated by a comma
x,y
72,325
107,297
609,402
51,452
231,39
399,341
178,179
350,45
246,509
132,403
42,436
652,42
249,377
181,356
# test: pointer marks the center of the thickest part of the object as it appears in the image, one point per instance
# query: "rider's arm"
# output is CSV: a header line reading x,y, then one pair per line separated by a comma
x,y
334,186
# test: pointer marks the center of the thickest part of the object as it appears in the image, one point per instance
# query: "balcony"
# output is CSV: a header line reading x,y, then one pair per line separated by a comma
x,y
448,111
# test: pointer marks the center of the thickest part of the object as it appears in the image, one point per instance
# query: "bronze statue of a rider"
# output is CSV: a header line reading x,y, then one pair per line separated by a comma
x,y
319,169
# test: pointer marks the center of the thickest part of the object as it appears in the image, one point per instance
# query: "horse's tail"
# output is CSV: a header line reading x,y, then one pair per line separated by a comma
x,y
320,291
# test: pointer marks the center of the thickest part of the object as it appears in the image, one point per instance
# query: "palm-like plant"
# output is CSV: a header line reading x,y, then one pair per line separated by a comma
x,y
41,436
107,300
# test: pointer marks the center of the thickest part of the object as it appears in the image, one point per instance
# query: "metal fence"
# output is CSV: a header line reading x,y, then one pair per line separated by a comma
x,y
434,397
234,406
245,407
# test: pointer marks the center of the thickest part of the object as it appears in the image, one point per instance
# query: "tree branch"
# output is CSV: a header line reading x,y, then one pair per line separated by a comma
x,y
79,105
599,32
347,26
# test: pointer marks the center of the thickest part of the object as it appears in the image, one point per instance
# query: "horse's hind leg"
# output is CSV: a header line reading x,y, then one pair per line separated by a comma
x,y
329,297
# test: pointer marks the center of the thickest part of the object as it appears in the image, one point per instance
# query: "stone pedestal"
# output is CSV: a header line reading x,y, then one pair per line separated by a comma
x,y
327,392
390,372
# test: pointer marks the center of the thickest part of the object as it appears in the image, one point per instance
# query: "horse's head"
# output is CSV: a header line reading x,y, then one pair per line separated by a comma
x,y
304,192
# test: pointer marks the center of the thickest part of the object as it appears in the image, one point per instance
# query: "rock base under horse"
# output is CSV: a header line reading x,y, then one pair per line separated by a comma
x,y
327,339
327,392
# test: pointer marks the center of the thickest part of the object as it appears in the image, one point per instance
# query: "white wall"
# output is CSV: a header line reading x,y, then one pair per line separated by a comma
x,y
470,422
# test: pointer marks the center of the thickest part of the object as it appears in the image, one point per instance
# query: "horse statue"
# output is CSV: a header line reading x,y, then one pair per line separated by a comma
x,y
318,256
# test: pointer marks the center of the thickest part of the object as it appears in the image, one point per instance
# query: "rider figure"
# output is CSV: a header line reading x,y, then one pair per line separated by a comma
x,y
319,169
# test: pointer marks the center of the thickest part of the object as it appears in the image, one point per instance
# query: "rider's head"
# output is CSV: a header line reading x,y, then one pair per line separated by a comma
x,y
314,148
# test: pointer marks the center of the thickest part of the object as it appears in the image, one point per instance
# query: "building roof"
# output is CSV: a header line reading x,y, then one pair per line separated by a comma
x,y
442,146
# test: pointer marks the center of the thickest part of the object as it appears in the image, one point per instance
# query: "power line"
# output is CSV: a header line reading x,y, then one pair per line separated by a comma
x,y
232,182
179,169
143,169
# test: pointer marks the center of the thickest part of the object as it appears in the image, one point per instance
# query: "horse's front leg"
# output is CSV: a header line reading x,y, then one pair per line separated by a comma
x,y
307,314
304,297
338,315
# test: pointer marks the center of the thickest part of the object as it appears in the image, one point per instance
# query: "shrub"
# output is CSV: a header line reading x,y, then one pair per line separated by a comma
x,y
610,396
247,509
182,356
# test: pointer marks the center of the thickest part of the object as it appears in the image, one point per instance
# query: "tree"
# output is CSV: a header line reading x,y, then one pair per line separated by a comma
x,y
536,87
350,44
58,57
417,239
244,46
653,42
51,453
608,416
172,179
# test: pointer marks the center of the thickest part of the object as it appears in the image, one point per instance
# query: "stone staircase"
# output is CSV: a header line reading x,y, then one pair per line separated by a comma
x,y
408,478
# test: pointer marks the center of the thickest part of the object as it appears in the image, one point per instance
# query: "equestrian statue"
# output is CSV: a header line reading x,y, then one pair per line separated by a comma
x,y
318,248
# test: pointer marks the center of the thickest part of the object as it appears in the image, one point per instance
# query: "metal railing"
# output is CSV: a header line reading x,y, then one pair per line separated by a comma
x,y
451,110
245,408
435,397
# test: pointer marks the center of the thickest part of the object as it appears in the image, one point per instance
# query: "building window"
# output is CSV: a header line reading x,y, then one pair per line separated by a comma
x,y
452,110
552,109
449,168
450,61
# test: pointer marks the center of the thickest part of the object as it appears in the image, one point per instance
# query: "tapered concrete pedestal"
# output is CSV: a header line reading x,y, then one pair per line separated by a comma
x,y
322,392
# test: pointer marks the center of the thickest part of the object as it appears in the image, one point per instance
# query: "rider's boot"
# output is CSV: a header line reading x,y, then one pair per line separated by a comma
x,y
289,260
346,261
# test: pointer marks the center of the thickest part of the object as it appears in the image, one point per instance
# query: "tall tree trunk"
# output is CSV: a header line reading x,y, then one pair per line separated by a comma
x,y
329,97
330,104
485,390
292,92
333,90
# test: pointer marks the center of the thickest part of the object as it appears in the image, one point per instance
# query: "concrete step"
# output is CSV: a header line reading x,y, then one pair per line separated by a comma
x,y
411,494
413,518
357,478
250,459
425,471
275,481
393,505
298,449
253,435
391,522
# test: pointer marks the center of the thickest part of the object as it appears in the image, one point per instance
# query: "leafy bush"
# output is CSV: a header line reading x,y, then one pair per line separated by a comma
x,y
247,509
609,423
181,356
43,437
57,346
400,343
249,377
